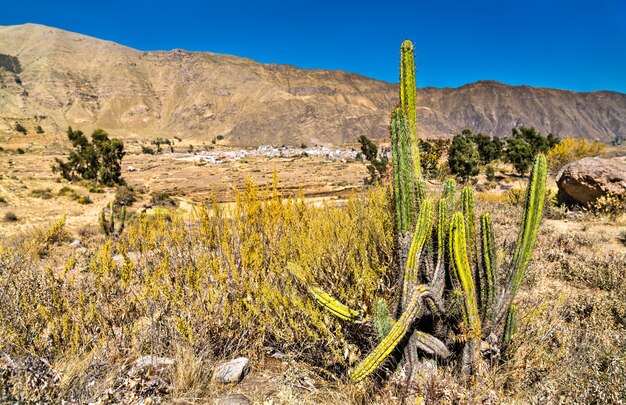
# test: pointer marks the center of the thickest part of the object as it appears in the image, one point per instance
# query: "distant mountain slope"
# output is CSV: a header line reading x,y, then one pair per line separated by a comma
x,y
56,78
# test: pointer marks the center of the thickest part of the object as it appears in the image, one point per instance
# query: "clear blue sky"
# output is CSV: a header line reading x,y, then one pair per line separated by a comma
x,y
576,45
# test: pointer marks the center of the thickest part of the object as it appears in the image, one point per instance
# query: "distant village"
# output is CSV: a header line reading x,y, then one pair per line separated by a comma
x,y
269,151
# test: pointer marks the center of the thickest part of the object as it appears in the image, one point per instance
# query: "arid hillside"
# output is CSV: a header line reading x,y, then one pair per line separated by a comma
x,y
55,78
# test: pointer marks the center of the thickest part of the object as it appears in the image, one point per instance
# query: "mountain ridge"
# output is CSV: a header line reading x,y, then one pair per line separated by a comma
x,y
73,79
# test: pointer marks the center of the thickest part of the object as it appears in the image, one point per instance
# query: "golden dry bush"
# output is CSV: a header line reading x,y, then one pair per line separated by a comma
x,y
231,279
571,149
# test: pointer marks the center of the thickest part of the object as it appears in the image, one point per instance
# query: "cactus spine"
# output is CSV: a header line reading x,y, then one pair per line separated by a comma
x,y
107,227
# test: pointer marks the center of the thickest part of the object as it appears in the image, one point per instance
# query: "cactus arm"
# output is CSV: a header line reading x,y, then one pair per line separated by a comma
x,y
439,279
511,325
122,219
489,267
533,208
469,212
430,344
463,274
112,219
407,99
393,338
423,229
334,306
102,222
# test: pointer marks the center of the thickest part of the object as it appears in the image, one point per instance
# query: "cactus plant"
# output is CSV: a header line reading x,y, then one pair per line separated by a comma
x,y
445,260
107,227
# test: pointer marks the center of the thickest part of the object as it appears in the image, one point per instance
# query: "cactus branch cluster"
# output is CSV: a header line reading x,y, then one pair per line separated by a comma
x,y
447,264
107,226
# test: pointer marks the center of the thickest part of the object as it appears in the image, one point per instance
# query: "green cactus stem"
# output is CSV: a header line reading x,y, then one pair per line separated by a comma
x,y
488,268
403,179
533,208
423,230
511,325
107,227
334,305
463,274
397,332
407,99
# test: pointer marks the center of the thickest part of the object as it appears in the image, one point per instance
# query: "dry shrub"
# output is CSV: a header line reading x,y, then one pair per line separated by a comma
x,y
228,282
571,149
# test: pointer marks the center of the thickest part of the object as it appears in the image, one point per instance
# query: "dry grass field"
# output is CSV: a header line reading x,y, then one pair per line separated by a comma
x,y
87,313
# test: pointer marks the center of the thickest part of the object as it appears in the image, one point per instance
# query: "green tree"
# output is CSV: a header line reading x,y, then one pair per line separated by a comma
x,y
378,166
489,148
99,160
431,151
463,157
519,153
524,145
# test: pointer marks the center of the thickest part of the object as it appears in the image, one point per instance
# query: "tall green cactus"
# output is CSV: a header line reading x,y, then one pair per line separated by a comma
x,y
443,258
407,99
403,176
107,227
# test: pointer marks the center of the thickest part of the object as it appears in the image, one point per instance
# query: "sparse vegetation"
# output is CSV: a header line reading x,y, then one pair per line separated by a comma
x,y
70,192
421,294
10,217
163,199
20,128
43,193
124,196
39,129
147,150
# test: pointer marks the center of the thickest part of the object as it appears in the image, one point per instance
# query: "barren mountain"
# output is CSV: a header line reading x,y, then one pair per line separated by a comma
x,y
55,78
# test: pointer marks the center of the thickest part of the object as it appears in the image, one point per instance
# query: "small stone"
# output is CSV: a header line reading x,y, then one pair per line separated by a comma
x,y
233,399
75,243
154,362
232,371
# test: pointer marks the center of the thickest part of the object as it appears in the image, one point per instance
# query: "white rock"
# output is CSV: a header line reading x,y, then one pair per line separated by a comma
x,y
232,371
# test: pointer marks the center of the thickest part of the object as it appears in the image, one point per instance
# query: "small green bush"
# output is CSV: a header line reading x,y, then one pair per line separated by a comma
x,y
162,199
125,196
84,200
20,128
43,193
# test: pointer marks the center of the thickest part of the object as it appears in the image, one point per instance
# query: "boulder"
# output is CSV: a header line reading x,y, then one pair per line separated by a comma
x,y
586,180
232,371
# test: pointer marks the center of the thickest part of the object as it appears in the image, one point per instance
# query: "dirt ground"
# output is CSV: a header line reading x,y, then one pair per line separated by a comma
x,y
23,176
